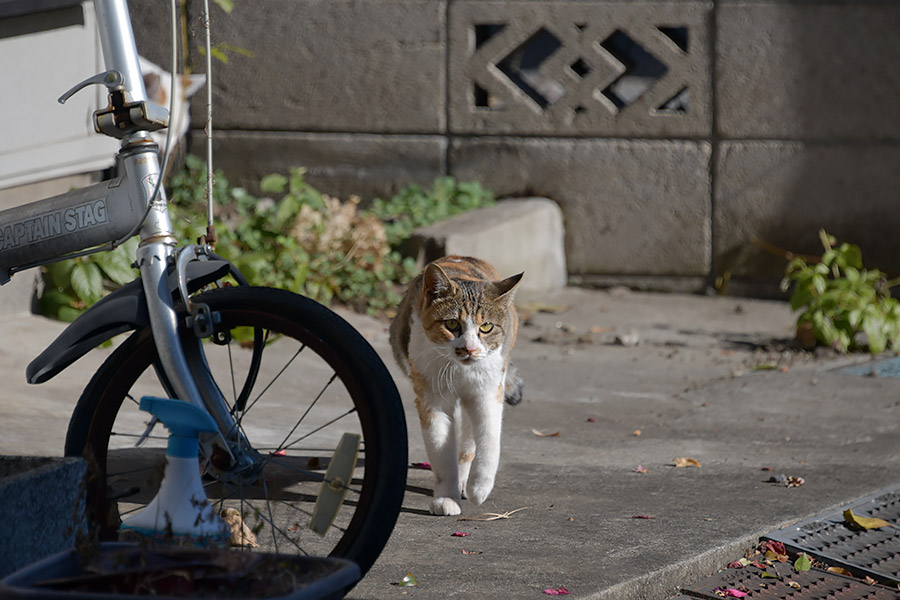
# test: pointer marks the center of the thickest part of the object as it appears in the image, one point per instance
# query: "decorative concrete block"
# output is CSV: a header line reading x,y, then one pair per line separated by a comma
x,y
329,65
808,70
337,164
775,196
638,207
513,235
43,506
580,68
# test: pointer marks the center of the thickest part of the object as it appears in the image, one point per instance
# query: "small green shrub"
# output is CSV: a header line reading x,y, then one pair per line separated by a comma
x,y
844,305
414,207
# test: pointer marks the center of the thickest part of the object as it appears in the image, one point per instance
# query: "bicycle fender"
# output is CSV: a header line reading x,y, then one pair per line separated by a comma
x,y
123,310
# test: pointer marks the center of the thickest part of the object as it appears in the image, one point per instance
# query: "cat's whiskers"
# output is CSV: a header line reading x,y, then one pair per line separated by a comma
x,y
446,373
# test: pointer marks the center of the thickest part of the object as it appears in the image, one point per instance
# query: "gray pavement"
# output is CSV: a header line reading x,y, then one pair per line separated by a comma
x,y
709,380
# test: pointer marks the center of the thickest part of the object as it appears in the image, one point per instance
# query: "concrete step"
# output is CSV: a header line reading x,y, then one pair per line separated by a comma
x,y
513,235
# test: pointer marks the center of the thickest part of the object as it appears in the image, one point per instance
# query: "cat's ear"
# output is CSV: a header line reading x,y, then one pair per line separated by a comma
x,y
504,288
436,283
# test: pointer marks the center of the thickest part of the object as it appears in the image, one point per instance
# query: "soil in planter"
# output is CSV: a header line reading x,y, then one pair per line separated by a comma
x,y
202,573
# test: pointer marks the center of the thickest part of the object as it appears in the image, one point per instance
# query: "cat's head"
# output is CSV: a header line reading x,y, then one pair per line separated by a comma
x,y
470,319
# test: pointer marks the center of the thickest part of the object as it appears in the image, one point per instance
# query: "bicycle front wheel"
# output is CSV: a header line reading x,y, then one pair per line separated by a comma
x,y
312,380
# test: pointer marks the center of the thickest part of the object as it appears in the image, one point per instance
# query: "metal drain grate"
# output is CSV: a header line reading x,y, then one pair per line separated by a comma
x,y
873,552
812,584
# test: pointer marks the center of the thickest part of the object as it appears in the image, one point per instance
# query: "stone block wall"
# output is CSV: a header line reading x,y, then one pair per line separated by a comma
x,y
682,139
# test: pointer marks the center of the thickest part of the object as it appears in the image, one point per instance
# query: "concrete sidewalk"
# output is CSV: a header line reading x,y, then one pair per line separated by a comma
x,y
708,380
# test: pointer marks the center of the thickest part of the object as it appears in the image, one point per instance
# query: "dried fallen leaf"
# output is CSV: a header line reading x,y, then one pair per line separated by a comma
x,y
642,517
794,585
768,575
839,571
640,469
683,461
470,552
314,463
636,432
493,516
864,522
542,434
241,535
408,581
591,420
459,534
598,329
560,591
422,465
739,564
553,309
870,581
769,366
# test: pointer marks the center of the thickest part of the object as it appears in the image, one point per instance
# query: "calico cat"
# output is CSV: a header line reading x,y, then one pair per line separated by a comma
x,y
453,335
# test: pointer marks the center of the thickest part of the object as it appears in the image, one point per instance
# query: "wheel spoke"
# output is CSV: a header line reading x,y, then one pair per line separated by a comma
x,y
316,476
285,446
274,379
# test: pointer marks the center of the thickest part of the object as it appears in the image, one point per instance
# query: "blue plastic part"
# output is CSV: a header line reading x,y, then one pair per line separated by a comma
x,y
183,447
181,418
184,421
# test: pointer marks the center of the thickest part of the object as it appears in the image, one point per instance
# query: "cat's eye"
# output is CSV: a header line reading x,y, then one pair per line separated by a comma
x,y
486,327
451,324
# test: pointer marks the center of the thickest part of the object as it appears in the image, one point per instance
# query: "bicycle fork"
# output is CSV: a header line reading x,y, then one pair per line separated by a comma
x,y
156,252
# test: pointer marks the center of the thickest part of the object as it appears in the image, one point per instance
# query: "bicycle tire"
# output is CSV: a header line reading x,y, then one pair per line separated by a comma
x,y
99,417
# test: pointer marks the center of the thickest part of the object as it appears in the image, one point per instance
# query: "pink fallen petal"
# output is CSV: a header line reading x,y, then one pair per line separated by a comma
x,y
640,469
281,452
422,465
733,593
560,591
460,534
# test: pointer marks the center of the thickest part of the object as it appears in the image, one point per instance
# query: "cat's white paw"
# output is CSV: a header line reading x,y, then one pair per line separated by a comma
x,y
479,490
445,506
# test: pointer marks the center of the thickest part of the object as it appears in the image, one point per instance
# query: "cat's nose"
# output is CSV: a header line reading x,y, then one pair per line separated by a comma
x,y
471,351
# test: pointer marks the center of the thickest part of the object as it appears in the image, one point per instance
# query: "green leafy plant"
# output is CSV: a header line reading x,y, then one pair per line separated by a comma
x,y
298,239
844,305
415,207
71,286
314,244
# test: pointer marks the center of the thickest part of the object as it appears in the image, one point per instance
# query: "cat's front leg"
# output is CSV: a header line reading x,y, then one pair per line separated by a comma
x,y
440,444
486,415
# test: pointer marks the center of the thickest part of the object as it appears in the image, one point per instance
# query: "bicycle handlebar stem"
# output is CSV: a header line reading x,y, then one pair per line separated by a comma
x,y
119,50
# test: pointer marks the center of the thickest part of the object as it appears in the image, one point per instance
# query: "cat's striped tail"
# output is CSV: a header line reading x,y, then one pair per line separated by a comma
x,y
513,386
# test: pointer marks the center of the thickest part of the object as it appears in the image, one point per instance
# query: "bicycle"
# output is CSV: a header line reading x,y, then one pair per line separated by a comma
x,y
232,349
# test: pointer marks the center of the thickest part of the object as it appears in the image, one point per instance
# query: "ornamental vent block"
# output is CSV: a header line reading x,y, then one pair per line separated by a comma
x,y
579,68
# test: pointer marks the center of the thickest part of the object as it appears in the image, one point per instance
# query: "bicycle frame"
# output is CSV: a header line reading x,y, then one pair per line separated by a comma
x,y
50,229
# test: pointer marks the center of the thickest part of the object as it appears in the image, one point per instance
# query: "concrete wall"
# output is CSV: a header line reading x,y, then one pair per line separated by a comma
x,y
679,137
